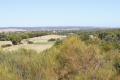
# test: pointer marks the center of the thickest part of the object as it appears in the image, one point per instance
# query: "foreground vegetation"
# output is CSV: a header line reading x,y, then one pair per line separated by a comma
x,y
70,60
85,56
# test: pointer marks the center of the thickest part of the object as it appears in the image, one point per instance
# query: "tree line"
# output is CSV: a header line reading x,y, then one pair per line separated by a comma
x,y
16,37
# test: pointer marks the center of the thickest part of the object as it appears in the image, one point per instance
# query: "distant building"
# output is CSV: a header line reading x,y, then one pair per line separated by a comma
x,y
92,37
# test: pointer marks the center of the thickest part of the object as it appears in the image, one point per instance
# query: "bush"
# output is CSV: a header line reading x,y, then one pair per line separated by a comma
x,y
6,45
24,36
52,39
58,42
30,42
15,39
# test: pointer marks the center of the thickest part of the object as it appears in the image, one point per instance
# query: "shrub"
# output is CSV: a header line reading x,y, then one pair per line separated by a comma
x,y
52,39
30,42
106,47
6,45
15,39
58,42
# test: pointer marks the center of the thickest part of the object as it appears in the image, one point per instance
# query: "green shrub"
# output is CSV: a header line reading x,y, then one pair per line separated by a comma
x,y
58,42
15,39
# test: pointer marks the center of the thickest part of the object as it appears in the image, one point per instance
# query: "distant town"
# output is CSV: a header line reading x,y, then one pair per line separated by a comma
x,y
58,28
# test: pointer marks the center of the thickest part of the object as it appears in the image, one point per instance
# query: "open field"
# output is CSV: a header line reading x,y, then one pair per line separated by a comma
x,y
39,43
5,42
35,47
44,39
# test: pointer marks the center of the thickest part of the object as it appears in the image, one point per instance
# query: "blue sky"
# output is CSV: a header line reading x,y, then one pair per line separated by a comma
x,y
60,13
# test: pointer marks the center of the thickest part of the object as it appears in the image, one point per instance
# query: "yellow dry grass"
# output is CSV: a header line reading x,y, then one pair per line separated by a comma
x,y
5,42
42,43
35,47
46,38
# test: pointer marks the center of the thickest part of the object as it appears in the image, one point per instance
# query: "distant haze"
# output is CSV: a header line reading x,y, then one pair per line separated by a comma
x,y
11,30
60,28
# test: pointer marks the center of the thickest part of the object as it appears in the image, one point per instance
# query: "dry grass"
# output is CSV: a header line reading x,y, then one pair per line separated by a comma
x,y
35,47
46,38
41,43
5,43
72,60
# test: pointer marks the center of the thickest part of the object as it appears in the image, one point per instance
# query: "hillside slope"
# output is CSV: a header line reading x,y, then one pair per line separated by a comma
x,y
70,60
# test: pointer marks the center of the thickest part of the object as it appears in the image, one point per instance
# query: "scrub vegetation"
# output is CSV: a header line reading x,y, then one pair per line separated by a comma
x,y
81,56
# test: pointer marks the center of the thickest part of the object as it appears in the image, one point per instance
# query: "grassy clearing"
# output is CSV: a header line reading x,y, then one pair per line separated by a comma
x,y
44,43
36,47
39,43
5,42
46,38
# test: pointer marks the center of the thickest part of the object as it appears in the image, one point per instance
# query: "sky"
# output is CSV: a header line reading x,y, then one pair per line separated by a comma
x,y
34,13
